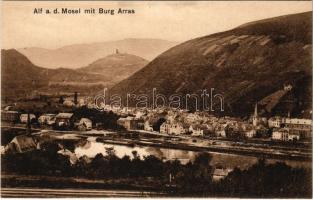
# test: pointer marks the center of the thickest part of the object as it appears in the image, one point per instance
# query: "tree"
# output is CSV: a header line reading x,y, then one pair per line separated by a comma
x,y
61,100
156,126
110,152
75,98
135,155
196,177
28,125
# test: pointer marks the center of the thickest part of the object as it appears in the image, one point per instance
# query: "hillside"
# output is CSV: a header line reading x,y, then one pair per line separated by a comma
x,y
245,65
20,77
115,67
81,55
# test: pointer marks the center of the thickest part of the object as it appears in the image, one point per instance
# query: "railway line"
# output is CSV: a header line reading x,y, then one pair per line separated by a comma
x,y
53,193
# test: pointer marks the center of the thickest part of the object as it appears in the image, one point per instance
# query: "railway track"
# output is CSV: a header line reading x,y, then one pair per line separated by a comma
x,y
50,193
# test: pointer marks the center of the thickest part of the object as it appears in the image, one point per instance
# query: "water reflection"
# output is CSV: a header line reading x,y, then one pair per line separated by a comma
x,y
91,148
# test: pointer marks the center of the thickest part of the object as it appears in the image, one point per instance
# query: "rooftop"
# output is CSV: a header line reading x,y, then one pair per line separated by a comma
x,y
64,115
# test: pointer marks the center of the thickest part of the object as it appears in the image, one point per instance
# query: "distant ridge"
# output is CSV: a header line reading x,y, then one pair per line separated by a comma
x,y
115,67
20,77
80,55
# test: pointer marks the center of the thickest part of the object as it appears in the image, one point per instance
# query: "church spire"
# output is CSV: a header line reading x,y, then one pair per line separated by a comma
x,y
256,110
255,118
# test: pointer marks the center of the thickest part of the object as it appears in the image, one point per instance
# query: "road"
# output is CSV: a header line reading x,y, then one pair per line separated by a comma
x,y
53,193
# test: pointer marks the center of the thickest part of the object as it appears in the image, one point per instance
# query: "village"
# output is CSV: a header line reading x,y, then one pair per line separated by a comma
x,y
156,99
279,137
167,121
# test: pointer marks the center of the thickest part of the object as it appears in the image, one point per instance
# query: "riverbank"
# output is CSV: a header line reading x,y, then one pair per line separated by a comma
x,y
297,152
261,152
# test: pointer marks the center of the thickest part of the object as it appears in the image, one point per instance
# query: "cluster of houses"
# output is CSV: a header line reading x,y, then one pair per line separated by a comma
x,y
180,122
184,123
60,120
289,129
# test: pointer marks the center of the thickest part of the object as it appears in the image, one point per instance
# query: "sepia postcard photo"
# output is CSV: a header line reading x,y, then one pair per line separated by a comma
x,y
137,99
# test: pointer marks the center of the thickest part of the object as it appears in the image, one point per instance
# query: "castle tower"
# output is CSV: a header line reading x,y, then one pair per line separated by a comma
x,y
255,118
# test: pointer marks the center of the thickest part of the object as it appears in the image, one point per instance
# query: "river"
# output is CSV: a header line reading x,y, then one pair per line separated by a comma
x,y
91,148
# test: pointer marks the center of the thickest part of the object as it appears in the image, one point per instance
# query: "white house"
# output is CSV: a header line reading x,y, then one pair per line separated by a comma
x,y
165,127
175,128
196,130
280,134
68,103
139,114
220,130
178,128
148,126
220,173
298,123
48,119
131,123
81,102
64,120
250,133
293,136
199,129
21,144
85,124
275,122
304,126
23,117
287,87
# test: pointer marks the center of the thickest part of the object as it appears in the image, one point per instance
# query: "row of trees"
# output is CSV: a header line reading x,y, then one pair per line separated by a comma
x,y
268,181
192,179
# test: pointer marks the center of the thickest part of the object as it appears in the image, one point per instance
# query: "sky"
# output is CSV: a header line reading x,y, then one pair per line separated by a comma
x,y
173,21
